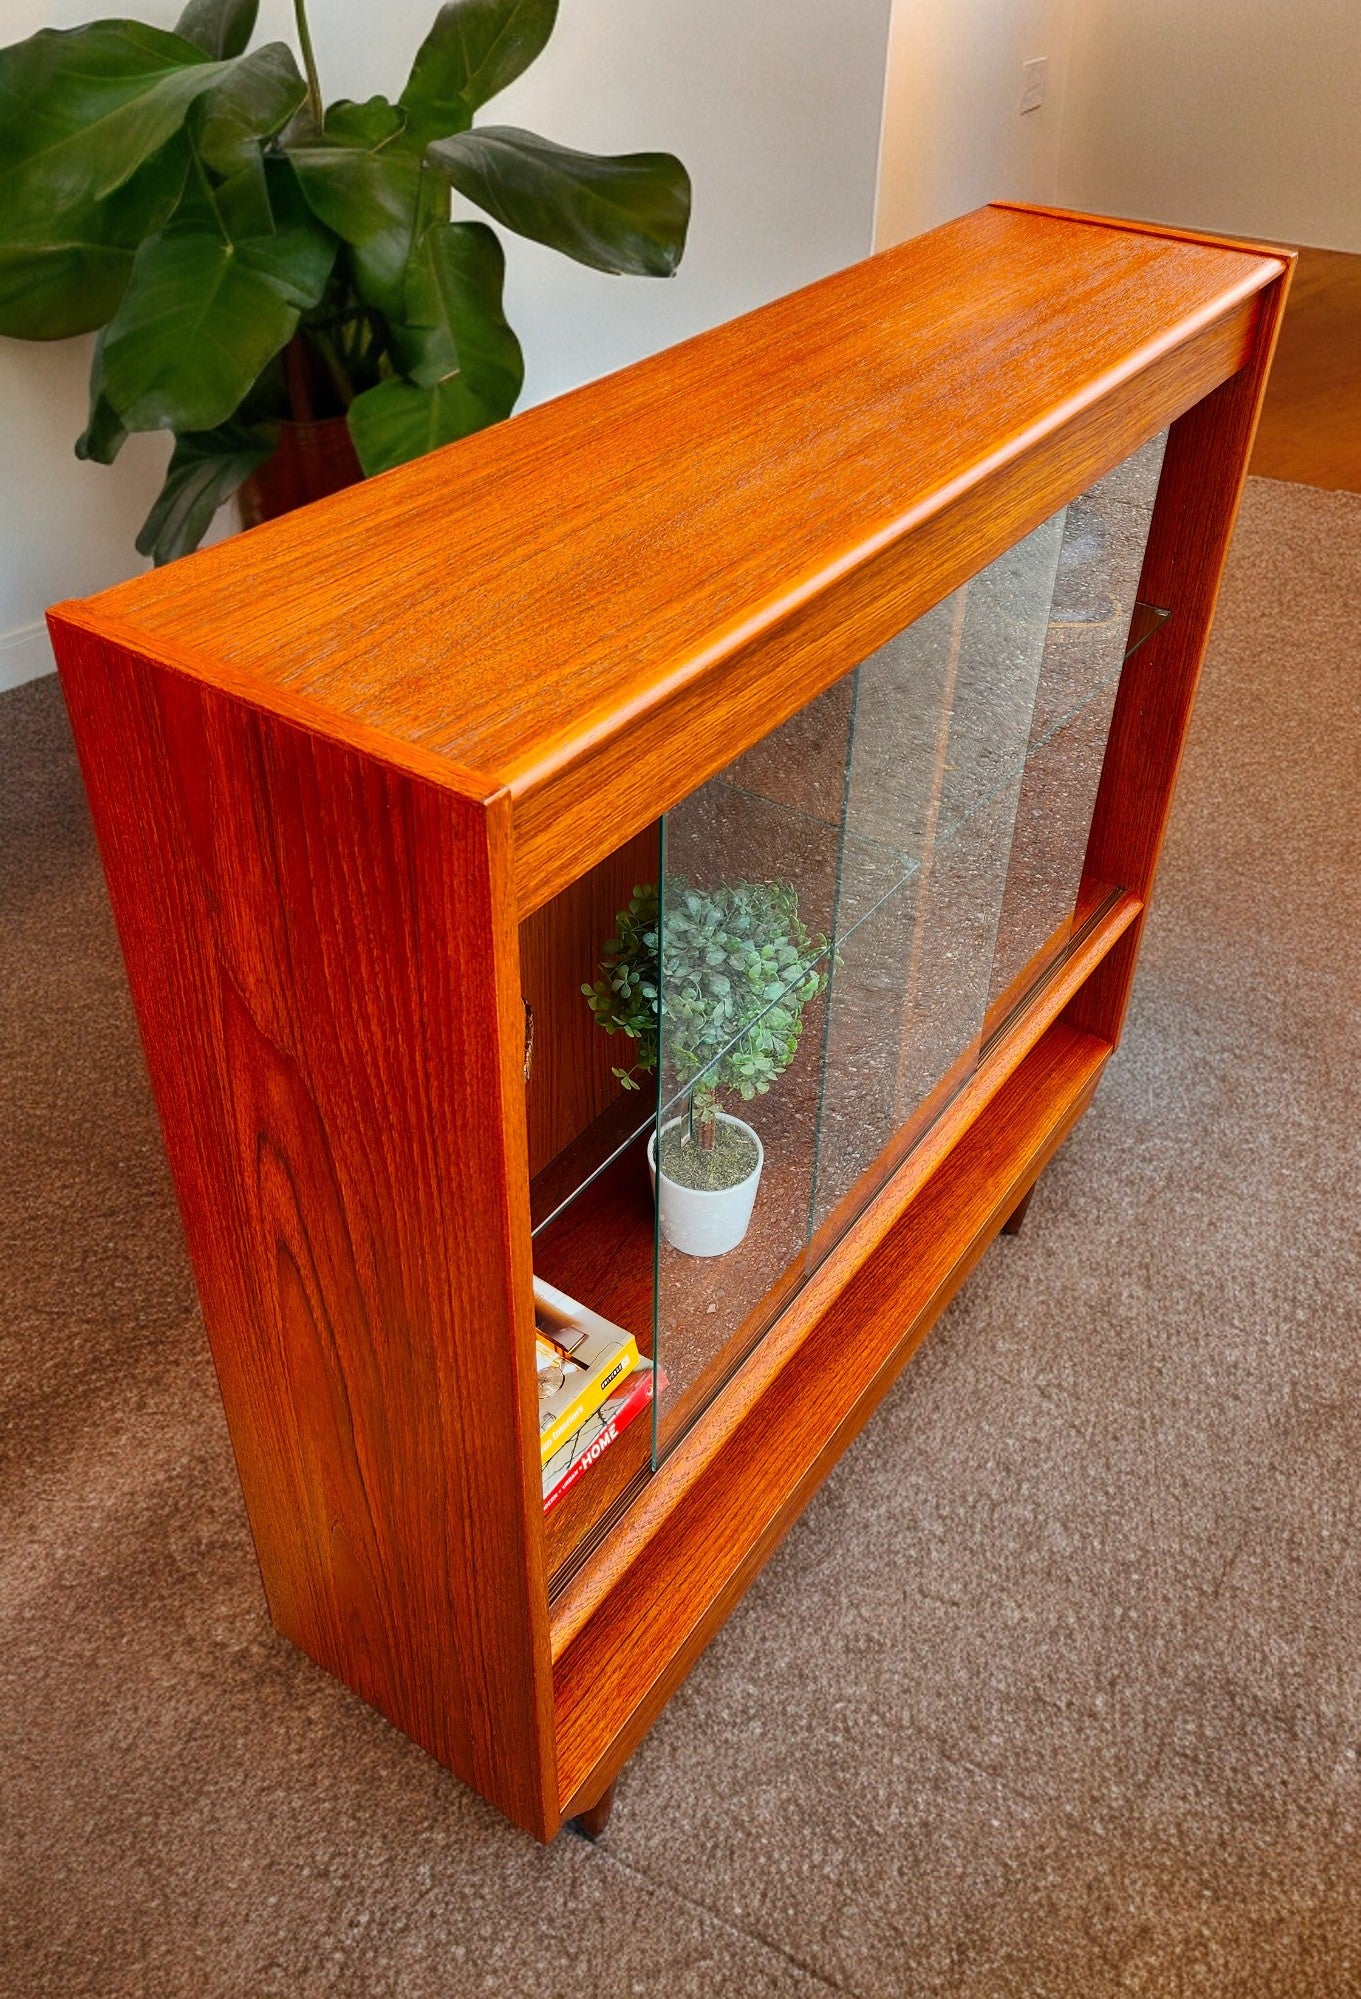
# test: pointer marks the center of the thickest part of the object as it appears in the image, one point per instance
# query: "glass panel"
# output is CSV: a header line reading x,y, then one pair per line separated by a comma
x,y
576,1115
942,719
751,867
1091,625
851,908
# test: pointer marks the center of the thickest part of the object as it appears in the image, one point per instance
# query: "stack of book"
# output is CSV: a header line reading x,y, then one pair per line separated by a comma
x,y
592,1383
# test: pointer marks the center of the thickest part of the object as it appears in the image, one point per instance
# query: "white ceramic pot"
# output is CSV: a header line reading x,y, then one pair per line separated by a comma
x,y
704,1221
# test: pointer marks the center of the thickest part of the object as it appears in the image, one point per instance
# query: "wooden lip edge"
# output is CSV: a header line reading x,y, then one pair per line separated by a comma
x,y
1249,246
690,1457
538,881
285,704
616,719
1061,1110
113,592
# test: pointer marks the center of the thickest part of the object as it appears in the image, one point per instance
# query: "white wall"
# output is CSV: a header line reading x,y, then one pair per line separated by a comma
x,y
954,134
1235,115
774,105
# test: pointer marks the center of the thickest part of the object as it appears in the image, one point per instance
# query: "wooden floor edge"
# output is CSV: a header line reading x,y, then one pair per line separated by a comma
x,y
966,1203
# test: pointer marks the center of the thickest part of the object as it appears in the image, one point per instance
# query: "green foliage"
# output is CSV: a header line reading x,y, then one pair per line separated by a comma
x,y
218,27
624,997
738,969
457,353
624,214
195,200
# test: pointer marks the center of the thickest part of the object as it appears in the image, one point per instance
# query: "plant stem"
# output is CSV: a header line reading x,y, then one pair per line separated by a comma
x,y
309,63
323,346
295,376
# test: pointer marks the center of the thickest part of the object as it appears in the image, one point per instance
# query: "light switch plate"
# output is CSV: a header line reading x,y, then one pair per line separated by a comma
x,y
1032,83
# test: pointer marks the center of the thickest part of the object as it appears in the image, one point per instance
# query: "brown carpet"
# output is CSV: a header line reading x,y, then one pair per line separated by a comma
x,y
1056,1690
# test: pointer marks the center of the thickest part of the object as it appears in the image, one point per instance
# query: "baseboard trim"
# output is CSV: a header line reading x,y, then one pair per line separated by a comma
x,y
24,655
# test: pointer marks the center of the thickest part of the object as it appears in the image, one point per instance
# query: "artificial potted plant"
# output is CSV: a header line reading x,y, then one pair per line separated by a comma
x,y
277,281
726,1002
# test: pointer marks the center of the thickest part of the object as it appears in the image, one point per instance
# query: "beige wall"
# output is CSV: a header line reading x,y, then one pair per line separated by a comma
x,y
954,136
1236,115
774,105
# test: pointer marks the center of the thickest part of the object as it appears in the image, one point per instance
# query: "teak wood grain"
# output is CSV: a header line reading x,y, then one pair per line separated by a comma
x,y
755,677
1204,470
571,1081
596,596
306,934
351,774
1311,420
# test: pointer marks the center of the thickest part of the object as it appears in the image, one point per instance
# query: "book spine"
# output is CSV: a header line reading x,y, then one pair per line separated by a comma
x,y
633,1404
600,1390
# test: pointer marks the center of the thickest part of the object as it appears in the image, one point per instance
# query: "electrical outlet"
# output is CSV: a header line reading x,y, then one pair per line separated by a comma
x,y
1032,83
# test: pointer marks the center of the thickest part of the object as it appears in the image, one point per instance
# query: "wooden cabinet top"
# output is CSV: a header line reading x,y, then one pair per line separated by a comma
x,y
584,611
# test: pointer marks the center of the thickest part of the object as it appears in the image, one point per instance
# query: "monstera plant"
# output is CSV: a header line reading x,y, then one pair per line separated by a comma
x,y
253,257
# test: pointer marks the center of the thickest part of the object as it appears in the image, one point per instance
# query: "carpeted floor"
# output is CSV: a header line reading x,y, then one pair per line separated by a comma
x,y
1056,1689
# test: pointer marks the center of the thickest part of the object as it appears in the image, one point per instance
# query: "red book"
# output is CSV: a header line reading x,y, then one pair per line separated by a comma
x,y
575,1458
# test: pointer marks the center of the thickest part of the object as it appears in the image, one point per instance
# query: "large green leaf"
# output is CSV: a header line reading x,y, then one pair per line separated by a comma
x,y
218,27
51,287
627,213
462,360
203,313
399,420
206,468
104,434
475,48
362,177
243,204
253,103
454,319
81,109
88,167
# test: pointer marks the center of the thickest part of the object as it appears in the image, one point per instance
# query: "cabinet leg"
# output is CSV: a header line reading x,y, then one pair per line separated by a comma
x,y
1012,1224
590,1824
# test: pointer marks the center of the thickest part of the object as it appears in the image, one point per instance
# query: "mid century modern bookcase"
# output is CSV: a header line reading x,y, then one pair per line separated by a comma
x,y
894,592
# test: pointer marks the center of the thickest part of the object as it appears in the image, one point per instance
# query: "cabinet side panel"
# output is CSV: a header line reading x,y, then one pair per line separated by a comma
x,y
572,1079
321,954
1203,475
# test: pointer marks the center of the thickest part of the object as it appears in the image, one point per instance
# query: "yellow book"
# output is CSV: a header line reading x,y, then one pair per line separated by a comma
x,y
582,1359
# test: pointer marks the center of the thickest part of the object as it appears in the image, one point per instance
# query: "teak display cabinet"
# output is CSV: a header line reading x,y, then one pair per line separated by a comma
x,y
890,597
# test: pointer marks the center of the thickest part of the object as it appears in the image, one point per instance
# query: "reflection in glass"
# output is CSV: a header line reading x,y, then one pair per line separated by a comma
x,y
850,907
1091,622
